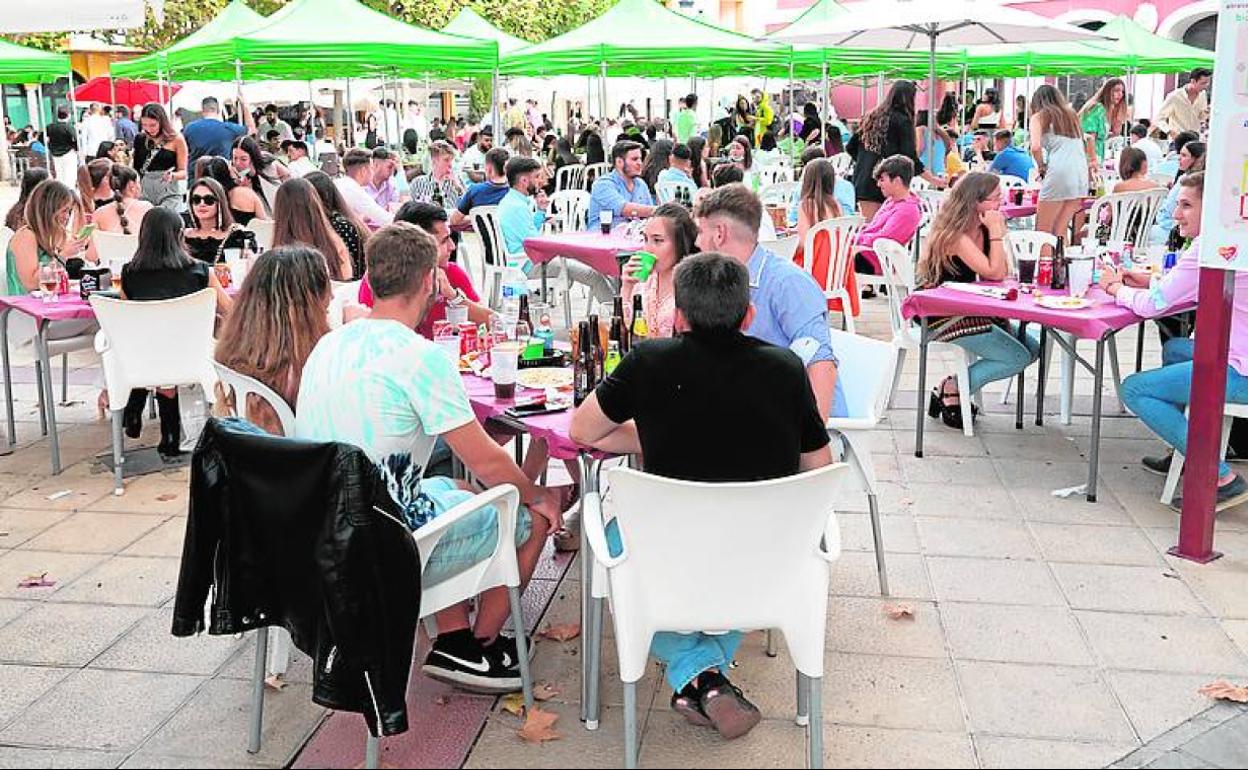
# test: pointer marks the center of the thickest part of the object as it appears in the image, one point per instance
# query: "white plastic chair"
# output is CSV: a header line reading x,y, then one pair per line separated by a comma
x,y
1230,412
872,365
842,232
485,222
778,194
594,171
263,228
1011,182
930,202
570,177
1132,215
114,248
842,164
777,581
568,210
675,190
784,247
1161,178
899,270
769,175
181,329
918,184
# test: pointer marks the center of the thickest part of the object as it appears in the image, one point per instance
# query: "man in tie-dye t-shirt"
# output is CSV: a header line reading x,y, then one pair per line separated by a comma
x,y
377,384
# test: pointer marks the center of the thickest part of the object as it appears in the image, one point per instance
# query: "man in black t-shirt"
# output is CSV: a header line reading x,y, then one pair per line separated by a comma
x,y
711,404
63,147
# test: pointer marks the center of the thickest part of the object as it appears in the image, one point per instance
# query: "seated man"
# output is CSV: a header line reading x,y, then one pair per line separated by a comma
x,y
297,160
388,186
485,193
1160,396
666,400
898,219
791,310
379,385
622,192
357,167
681,167
474,156
1010,159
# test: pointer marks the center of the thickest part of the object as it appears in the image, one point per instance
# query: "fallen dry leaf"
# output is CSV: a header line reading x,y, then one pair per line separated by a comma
x,y
899,611
544,691
562,633
166,497
1224,690
275,682
539,726
512,703
36,581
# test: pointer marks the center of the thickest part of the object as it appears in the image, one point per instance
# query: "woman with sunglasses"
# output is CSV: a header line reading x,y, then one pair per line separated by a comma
x,y
210,229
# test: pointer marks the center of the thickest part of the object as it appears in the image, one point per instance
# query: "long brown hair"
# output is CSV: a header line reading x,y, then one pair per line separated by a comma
x,y
333,202
957,217
816,198
900,101
1115,116
277,318
89,178
157,113
299,218
1059,118
122,177
45,203
225,220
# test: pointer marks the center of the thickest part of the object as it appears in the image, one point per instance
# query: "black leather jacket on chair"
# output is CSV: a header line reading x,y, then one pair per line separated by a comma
x,y
300,534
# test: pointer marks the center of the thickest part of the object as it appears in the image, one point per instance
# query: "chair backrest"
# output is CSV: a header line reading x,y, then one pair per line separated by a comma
x,y
569,210
784,247
570,177
263,228
157,343
1131,215
872,363
421,188
779,194
1161,178
1026,243
768,175
115,247
1114,147
918,184
930,202
842,232
501,568
595,170
243,386
842,163
1011,182
764,576
485,222
898,269
675,190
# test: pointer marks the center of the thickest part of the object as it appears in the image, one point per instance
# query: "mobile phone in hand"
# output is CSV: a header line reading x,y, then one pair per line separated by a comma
x,y
85,232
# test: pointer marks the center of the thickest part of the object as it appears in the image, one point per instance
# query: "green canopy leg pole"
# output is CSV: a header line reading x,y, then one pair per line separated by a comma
x,y
667,110
788,117
824,97
602,88
348,140
496,114
711,99
931,96
966,81
1134,94
1027,93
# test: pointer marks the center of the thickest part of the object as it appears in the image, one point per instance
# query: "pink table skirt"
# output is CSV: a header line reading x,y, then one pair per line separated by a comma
x,y
554,428
1092,323
70,307
1012,211
590,247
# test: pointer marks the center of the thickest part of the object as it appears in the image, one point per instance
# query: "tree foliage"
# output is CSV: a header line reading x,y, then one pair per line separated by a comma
x,y
533,20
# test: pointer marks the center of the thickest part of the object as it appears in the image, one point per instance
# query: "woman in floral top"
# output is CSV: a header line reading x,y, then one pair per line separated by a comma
x,y
670,236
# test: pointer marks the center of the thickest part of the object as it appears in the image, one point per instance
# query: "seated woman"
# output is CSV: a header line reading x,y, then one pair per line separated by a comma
x,y
1164,233
244,203
95,184
125,212
967,244
299,217
161,269
53,215
278,317
346,223
670,235
1133,168
1159,397
210,228
257,169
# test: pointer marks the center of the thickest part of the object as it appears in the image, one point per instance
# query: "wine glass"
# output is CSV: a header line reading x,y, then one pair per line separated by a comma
x,y
48,282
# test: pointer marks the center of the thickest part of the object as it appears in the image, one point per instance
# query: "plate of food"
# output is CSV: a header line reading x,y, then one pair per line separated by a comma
x,y
544,377
1062,302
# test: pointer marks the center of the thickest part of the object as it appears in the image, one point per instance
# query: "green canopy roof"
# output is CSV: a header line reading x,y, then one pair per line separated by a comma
x,y
642,38
315,39
471,24
1134,48
184,54
19,64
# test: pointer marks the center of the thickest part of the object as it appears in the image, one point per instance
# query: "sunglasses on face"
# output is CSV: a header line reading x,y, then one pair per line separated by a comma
x,y
204,200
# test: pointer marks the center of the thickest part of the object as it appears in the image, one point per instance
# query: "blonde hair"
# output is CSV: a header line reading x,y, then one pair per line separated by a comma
x,y
958,215
1059,118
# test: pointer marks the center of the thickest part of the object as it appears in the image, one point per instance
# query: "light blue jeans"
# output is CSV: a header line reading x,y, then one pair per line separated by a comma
x,y
1160,396
469,542
685,655
1000,354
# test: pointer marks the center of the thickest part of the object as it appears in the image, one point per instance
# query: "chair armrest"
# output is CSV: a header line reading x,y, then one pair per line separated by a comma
x,y
101,342
435,529
831,550
595,532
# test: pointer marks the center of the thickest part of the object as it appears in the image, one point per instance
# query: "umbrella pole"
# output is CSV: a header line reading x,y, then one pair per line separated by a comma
x,y
824,114
788,118
73,115
931,97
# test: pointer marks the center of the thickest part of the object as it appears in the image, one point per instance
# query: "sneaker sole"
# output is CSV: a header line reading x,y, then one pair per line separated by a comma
x,y
464,680
732,716
691,714
1177,504
1154,471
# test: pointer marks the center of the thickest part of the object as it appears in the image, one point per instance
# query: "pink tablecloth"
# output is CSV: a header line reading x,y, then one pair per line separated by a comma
x,y
1090,323
1028,209
590,247
70,307
554,428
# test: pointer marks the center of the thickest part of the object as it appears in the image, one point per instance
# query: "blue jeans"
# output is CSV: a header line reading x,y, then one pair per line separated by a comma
x,y
1159,396
1000,354
469,542
685,655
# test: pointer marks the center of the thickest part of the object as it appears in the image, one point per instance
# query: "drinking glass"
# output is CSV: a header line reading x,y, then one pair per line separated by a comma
x,y
505,368
1027,271
48,282
1079,277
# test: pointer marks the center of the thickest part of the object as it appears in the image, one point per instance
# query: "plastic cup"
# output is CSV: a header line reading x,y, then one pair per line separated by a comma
x,y
1026,270
457,314
647,265
505,368
1079,277
450,345
604,220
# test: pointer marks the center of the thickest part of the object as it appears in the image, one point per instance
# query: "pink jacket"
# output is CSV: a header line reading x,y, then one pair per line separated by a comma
x,y
896,220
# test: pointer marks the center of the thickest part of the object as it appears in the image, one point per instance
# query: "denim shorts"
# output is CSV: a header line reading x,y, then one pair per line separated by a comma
x,y
469,542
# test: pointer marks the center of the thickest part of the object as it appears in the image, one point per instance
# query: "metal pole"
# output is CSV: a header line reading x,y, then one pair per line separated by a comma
x,y
667,110
1027,93
824,114
73,121
931,97
788,118
112,92
349,140
602,88
496,115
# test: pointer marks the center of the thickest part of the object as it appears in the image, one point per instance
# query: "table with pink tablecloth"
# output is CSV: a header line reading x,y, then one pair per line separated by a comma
x,y
1028,208
589,247
554,428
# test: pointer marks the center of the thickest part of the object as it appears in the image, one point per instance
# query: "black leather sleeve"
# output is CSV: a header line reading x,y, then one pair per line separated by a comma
x,y
204,533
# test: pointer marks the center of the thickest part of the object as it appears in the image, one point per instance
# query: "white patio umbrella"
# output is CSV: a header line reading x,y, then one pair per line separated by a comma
x,y
909,25
25,16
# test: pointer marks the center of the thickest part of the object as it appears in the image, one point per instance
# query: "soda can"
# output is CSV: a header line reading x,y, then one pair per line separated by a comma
x,y
440,328
1170,260
1044,271
467,338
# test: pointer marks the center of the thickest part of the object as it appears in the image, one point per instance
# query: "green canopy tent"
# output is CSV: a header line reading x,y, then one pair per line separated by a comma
x,y
184,56
19,64
469,23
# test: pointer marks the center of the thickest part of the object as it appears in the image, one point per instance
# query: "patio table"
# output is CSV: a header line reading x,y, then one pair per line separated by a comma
x,y
589,247
1099,322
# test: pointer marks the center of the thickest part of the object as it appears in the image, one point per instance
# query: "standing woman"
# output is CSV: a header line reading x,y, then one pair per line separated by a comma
x,y
1103,116
743,120
95,184
988,112
299,218
346,223
1061,161
160,158
1020,111
967,244
887,130
947,115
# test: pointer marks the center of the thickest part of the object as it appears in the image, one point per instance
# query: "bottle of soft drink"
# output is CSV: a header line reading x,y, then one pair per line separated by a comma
x,y
1044,271
639,330
512,293
613,357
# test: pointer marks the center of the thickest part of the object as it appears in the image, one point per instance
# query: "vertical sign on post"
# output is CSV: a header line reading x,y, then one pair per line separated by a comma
x,y
1223,256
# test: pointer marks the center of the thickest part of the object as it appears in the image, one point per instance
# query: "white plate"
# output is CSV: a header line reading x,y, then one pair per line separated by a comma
x,y
544,377
1063,302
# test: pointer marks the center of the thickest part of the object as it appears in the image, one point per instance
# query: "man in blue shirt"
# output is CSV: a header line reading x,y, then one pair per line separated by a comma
x,y
791,310
127,129
487,193
623,192
1010,159
210,135
522,211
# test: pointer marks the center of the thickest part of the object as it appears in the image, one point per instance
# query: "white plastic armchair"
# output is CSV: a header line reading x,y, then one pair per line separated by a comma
x,y
842,232
242,387
264,229
159,343
485,221
595,171
779,581
671,190
115,248
769,175
1011,182
779,194
570,177
568,210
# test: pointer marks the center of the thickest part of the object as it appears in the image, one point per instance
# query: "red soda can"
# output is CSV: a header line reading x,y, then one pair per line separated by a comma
x,y
440,328
1044,271
62,286
467,338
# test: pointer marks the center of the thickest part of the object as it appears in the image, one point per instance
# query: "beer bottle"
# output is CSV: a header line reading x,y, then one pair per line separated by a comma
x,y
613,357
597,354
1060,266
617,317
639,330
525,316
582,368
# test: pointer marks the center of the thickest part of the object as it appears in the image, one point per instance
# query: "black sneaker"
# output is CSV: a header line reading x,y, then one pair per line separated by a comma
x,y
460,660
1229,495
505,649
688,704
1158,465
725,705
